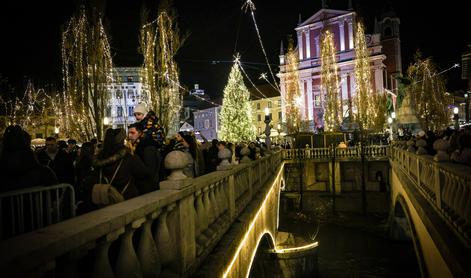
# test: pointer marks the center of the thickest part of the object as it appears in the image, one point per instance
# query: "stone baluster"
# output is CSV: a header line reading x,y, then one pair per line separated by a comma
x,y
127,264
214,203
421,144
209,213
166,246
224,154
201,224
147,251
410,146
221,197
441,146
102,267
176,161
245,155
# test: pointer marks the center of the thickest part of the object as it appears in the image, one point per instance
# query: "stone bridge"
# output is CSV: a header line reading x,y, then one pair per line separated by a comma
x,y
212,226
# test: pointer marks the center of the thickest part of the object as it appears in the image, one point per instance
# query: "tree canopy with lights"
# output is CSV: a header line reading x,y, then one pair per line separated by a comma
x,y
236,112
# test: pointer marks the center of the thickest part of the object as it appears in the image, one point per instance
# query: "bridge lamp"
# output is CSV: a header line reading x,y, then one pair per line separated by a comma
x,y
56,130
393,115
390,120
456,117
106,121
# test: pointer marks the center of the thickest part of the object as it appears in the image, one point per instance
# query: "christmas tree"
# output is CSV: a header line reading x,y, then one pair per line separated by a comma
x,y
236,113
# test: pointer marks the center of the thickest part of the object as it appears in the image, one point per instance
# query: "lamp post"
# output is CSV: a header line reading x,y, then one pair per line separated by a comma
x,y
456,118
267,128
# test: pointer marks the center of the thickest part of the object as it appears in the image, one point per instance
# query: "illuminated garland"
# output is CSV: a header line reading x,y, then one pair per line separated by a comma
x,y
87,72
236,111
160,41
292,92
365,113
330,84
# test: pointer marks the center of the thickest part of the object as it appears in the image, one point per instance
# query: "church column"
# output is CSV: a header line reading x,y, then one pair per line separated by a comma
x,y
379,80
300,45
350,34
310,105
316,42
308,43
344,84
342,36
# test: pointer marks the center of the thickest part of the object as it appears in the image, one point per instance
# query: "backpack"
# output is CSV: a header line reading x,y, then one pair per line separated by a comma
x,y
104,194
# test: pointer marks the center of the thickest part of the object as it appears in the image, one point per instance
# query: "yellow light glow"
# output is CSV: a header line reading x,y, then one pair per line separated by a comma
x,y
295,249
242,243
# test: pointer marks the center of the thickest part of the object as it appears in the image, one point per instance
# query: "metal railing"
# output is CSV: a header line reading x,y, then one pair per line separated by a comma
x,y
29,209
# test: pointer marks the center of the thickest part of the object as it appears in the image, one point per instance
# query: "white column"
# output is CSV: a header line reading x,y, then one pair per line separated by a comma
x,y
308,44
303,99
342,36
300,45
310,104
316,43
283,102
350,35
344,92
379,80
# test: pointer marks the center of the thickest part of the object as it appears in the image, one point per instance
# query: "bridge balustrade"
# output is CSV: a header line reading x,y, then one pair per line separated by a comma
x,y
166,232
446,186
325,153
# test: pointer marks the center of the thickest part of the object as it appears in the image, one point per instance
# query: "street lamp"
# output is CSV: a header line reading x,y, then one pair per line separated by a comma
x,y
456,117
56,131
267,128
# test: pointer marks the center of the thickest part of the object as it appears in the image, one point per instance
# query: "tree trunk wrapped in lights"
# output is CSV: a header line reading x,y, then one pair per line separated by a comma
x,y
330,84
427,92
367,113
87,72
292,91
236,112
160,41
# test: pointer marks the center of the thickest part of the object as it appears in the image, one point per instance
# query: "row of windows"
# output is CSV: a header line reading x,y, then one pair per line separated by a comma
x,y
119,111
122,87
259,117
270,105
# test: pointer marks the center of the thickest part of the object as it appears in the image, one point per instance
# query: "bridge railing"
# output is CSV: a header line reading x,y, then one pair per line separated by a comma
x,y
375,151
445,185
166,232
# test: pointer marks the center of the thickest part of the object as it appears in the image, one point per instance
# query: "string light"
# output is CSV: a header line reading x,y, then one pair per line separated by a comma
x,y
292,91
330,83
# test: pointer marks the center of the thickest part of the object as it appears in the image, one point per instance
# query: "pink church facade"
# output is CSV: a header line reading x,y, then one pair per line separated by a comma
x,y
342,25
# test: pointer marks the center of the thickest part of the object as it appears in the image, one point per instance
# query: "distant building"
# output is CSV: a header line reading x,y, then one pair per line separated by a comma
x,y
207,122
196,100
385,59
265,97
125,93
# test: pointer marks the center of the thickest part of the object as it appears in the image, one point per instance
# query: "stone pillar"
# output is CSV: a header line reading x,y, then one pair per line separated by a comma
x,y
342,36
350,35
176,161
421,144
338,181
441,146
224,155
308,44
245,155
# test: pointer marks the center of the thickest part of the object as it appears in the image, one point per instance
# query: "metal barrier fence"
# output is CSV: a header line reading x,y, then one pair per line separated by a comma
x,y
29,209
374,151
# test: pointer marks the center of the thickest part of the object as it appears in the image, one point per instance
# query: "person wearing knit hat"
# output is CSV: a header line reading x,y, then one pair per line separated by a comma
x,y
140,111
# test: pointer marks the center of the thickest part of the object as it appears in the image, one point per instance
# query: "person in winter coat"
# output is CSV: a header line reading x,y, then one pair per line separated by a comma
x,y
19,167
147,150
58,160
132,176
150,125
83,167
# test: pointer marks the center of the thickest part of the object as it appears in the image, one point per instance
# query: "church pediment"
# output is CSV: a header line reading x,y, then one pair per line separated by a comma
x,y
323,14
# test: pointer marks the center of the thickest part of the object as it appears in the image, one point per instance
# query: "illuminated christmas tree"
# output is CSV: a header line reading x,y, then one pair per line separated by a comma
x,y
365,111
427,92
236,112
160,41
292,93
87,73
330,84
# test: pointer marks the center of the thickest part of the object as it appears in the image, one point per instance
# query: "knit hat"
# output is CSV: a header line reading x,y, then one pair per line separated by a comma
x,y
140,108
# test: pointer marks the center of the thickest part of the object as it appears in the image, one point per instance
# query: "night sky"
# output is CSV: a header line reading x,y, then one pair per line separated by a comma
x,y
216,30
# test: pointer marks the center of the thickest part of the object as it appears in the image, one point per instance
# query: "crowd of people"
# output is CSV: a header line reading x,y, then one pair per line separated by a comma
x,y
132,163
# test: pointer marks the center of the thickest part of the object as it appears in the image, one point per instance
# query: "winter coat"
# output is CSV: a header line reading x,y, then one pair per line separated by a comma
x,y
151,156
20,169
131,171
62,165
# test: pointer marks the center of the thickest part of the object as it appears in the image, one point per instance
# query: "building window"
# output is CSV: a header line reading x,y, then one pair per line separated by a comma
x,y
259,118
279,103
206,124
258,106
119,94
280,117
131,110
119,111
269,104
317,100
108,111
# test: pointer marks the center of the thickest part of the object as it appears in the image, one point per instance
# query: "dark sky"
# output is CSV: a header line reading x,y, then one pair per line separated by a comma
x,y
31,35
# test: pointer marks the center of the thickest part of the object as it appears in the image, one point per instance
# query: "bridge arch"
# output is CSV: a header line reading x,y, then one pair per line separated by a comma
x,y
261,256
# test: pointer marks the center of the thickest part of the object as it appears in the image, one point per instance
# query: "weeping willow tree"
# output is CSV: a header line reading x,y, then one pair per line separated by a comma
x,y
236,112
87,72
330,83
292,92
427,92
367,111
159,42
